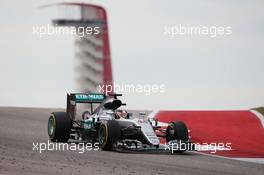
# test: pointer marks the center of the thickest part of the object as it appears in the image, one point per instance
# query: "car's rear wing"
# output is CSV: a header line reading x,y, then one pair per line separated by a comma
x,y
74,98
86,97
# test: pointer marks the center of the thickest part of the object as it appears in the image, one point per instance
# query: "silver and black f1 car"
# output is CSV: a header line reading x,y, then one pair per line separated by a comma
x,y
112,132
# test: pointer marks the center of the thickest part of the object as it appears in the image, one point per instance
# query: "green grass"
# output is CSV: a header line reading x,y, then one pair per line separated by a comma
x,y
260,110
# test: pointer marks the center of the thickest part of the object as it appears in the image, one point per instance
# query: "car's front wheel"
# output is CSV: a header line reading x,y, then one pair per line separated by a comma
x,y
177,131
109,133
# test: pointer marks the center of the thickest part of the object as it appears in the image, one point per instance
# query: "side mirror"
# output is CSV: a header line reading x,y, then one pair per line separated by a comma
x,y
142,114
129,115
109,112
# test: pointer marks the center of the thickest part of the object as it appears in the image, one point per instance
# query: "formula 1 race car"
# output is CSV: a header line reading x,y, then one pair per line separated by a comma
x,y
105,126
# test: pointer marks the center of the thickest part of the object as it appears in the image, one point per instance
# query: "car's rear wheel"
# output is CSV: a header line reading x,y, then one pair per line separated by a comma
x,y
59,127
109,133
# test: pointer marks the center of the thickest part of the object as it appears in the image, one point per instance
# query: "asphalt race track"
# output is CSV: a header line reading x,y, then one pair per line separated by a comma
x,y
20,127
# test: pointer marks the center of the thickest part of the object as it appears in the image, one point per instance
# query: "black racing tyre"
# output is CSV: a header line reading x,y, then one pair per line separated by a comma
x,y
177,131
59,127
109,132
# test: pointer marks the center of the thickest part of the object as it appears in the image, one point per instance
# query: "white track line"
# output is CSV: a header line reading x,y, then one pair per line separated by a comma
x,y
254,160
259,115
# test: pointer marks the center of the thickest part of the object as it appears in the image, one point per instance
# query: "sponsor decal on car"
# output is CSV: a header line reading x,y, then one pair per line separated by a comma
x,y
89,97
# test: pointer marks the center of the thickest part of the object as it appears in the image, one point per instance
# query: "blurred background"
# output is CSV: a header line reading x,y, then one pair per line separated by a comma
x,y
199,72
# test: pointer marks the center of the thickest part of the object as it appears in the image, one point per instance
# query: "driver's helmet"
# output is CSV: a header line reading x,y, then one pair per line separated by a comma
x,y
121,113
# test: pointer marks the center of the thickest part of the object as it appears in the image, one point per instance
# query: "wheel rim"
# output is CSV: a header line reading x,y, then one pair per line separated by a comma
x,y
102,135
51,126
